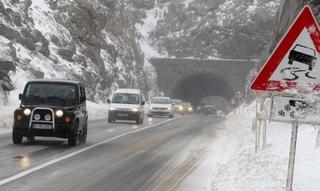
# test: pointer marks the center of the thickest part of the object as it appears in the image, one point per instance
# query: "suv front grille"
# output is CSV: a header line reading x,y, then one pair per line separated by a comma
x,y
42,112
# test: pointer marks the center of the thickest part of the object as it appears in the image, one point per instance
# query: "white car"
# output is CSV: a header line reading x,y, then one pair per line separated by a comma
x,y
126,104
161,106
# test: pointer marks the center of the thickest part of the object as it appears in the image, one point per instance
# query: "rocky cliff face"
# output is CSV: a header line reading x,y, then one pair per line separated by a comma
x,y
107,43
215,28
287,12
93,41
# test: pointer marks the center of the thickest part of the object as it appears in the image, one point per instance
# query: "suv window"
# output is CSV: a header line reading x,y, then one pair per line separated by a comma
x,y
50,93
126,98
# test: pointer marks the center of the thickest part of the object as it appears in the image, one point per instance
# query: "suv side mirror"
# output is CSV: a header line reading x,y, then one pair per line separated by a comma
x,y
20,96
108,101
143,103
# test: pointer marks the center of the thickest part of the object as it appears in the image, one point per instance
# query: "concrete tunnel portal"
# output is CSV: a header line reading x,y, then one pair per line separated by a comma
x,y
196,87
194,80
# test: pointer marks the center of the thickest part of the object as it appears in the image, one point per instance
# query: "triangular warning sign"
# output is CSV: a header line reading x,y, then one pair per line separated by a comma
x,y
295,59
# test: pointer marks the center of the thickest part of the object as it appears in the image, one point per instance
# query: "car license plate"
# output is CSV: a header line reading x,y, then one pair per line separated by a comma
x,y
42,126
123,114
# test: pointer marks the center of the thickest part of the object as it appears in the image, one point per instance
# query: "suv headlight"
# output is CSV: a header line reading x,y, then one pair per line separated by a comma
x,y
59,113
111,108
27,112
135,109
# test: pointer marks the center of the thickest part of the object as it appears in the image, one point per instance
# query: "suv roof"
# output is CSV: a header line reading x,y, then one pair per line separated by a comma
x,y
128,91
55,81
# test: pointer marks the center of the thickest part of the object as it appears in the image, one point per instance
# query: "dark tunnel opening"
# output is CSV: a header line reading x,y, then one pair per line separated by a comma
x,y
196,87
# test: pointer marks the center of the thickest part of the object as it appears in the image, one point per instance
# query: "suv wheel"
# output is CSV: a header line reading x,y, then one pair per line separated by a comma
x,y
73,135
84,133
16,137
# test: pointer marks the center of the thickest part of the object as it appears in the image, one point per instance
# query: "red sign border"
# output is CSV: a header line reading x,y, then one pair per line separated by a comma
x,y
305,19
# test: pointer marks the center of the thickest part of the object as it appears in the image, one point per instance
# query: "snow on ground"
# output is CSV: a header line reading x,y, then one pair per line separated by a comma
x,y
233,165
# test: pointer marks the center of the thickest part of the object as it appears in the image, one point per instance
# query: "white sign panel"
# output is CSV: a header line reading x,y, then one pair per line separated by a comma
x,y
299,64
289,108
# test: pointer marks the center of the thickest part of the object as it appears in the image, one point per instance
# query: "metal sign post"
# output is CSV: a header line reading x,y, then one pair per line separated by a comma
x,y
260,124
292,155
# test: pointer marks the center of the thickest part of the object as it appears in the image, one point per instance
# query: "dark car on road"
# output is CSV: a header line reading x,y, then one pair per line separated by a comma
x,y
209,109
51,108
187,108
304,55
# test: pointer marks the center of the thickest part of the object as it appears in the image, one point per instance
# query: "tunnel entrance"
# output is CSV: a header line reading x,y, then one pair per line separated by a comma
x,y
219,103
196,87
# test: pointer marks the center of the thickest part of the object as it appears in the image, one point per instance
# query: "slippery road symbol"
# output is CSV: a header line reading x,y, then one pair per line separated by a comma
x,y
293,73
304,55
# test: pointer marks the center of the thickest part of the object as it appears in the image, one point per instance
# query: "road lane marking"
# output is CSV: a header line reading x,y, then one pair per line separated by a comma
x,y
44,165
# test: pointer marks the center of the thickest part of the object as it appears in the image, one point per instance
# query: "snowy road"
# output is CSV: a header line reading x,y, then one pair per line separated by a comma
x,y
122,156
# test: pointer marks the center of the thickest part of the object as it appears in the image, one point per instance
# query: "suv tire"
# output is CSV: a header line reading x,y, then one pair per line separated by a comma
x,y
84,133
16,137
73,135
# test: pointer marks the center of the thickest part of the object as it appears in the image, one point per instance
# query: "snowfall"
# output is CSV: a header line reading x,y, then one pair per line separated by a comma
x,y
231,163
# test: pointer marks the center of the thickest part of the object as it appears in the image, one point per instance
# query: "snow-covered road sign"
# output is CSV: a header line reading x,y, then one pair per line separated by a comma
x,y
289,108
296,58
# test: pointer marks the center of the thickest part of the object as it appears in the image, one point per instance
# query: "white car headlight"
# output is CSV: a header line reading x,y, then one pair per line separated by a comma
x,y
135,109
111,108
27,112
37,117
47,117
59,113
169,108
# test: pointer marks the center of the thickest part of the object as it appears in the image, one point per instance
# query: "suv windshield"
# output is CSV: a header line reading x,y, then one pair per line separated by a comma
x,y
126,98
50,94
160,100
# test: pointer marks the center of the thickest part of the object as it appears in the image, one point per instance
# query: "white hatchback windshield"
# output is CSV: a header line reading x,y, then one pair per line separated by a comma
x,y
126,98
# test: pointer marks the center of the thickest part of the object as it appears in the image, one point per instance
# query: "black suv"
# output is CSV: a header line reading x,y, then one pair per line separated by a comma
x,y
51,108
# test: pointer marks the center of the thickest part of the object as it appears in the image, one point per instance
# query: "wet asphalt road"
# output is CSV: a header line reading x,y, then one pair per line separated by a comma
x,y
117,157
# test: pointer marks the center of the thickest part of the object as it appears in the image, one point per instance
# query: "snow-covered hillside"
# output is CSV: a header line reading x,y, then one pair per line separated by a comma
x,y
215,28
91,41
107,44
